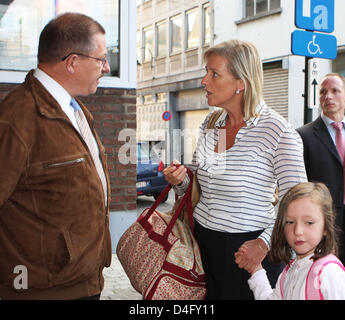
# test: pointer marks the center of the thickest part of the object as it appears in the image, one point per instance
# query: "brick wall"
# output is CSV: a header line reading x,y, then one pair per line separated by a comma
x,y
113,110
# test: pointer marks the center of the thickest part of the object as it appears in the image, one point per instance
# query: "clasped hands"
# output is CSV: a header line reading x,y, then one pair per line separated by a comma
x,y
250,255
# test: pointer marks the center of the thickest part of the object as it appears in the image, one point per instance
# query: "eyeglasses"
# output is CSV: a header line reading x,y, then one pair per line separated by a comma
x,y
102,60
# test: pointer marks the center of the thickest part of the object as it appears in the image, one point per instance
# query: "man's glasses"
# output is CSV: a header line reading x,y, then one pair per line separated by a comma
x,y
102,60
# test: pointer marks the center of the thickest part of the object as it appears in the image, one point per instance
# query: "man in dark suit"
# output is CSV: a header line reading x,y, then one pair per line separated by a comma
x,y
323,162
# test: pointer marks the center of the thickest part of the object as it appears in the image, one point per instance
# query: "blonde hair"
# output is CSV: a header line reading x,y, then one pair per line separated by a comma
x,y
320,195
244,63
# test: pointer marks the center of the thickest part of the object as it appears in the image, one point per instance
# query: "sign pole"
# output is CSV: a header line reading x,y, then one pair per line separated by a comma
x,y
307,111
313,15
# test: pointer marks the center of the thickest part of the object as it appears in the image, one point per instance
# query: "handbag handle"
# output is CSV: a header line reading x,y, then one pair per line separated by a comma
x,y
213,119
186,200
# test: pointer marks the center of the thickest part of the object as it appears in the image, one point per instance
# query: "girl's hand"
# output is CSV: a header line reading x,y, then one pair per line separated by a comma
x,y
250,255
175,173
258,267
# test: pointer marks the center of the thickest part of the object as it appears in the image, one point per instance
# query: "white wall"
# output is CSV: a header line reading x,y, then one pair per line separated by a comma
x,y
225,13
270,34
339,22
295,91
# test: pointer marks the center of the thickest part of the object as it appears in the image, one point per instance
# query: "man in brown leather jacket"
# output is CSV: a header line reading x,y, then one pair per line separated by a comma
x,y
54,216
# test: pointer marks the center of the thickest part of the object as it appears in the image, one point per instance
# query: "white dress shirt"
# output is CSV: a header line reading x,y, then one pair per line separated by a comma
x,y
327,121
62,97
332,282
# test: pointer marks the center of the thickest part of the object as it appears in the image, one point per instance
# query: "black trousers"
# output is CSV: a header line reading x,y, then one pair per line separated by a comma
x,y
224,280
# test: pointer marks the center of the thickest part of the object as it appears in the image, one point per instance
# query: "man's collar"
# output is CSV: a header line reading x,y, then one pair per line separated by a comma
x,y
327,120
53,87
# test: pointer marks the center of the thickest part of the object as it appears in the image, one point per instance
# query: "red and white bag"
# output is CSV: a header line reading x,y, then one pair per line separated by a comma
x,y
160,254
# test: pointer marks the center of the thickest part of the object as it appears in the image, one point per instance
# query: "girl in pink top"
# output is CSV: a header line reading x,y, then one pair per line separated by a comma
x,y
304,228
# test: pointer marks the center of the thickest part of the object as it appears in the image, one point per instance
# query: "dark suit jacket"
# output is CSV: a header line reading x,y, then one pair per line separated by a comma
x,y
322,162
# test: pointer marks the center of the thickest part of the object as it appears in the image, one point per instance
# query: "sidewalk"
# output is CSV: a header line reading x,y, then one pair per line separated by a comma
x,y
116,283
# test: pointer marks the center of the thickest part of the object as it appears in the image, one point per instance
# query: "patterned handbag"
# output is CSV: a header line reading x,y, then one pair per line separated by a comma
x,y
160,254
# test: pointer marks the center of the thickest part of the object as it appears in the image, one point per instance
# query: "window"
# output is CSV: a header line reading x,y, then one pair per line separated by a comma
x,y
21,23
161,31
274,4
261,6
139,50
192,28
206,24
176,33
148,99
148,44
139,100
256,7
161,97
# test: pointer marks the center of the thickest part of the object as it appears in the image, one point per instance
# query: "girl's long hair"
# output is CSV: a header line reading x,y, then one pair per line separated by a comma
x,y
320,195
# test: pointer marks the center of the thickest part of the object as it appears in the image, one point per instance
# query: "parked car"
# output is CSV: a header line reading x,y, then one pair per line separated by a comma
x,y
150,179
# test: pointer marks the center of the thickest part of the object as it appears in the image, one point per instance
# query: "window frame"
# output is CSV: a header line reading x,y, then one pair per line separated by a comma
x,y
127,36
255,14
206,6
146,29
188,13
179,50
139,47
157,25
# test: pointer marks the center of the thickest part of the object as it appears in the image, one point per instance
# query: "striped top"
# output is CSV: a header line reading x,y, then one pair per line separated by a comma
x,y
237,186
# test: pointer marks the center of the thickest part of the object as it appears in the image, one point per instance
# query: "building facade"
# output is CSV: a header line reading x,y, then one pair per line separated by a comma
x,y
114,104
172,36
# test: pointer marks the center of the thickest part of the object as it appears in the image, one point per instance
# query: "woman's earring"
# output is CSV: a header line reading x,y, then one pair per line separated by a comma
x,y
238,91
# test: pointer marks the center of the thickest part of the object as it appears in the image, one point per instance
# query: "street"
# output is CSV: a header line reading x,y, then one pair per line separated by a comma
x,y
144,202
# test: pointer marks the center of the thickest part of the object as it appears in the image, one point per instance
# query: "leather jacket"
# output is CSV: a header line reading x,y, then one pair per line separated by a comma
x,y
53,217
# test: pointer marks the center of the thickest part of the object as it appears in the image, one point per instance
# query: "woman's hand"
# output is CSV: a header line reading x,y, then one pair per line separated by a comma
x,y
175,173
250,255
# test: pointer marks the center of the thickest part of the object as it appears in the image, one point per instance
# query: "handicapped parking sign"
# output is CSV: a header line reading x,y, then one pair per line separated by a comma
x,y
314,15
314,45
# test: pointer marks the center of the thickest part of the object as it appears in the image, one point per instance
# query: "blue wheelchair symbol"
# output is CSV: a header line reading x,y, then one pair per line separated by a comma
x,y
314,45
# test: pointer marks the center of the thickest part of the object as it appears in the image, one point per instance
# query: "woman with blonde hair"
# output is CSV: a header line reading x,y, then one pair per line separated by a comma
x,y
249,152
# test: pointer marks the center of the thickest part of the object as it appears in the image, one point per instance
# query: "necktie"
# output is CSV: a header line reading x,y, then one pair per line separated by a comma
x,y
90,141
340,143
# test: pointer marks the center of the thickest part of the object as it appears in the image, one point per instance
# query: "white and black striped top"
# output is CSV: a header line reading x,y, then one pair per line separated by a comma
x,y
237,185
